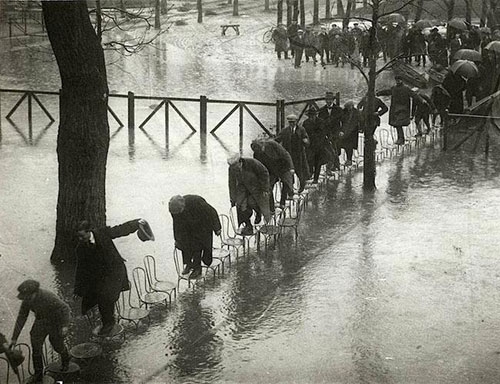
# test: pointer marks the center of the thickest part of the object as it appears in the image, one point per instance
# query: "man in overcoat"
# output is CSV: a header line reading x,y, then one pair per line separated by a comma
x,y
294,139
52,316
331,116
249,190
101,273
194,221
319,151
279,164
280,38
400,109
351,125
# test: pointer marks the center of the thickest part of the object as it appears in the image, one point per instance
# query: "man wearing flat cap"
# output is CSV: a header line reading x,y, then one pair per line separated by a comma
x,y
101,273
294,139
52,317
249,190
194,221
318,152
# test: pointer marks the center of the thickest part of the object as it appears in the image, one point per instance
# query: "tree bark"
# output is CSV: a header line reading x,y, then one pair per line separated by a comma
x,y
492,20
279,16
98,19
235,8
164,7
340,8
316,12
328,10
295,15
199,6
484,13
83,135
288,12
418,10
157,14
347,15
468,11
450,9
302,13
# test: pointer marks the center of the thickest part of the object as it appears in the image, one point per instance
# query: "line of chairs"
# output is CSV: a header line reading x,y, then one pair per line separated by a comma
x,y
149,289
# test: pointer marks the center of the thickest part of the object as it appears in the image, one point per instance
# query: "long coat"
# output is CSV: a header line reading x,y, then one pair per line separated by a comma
x,y
276,159
399,112
249,186
319,143
280,38
194,226
455,85
351,124
294,144
102,275
379,108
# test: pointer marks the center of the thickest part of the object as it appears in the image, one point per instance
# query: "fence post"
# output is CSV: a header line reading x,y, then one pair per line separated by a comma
x,y
278,116
131,111
282,120
30,117
166,123
203,115
240,107
487,144
337,97
445,130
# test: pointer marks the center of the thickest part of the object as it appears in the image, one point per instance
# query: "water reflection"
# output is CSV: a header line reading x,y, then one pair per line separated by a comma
x,y
29,140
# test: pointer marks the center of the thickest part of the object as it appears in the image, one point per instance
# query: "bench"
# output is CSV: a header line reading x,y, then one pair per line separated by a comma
x,y
225,27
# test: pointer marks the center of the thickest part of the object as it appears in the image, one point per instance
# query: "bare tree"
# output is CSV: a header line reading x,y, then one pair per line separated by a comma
x,y
328,11
315,12
468,11
302,13
484,13
235,8
418,10
450,8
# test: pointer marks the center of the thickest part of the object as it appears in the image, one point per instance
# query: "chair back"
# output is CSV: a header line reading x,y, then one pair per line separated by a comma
x,y
234,220
178,261
4,372
140,281
150,267
277,190
226,225
384,137
25,369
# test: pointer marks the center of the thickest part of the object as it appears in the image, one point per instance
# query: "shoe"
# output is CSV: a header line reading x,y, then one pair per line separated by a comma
x,y
106,329
186,270
195,274
247,231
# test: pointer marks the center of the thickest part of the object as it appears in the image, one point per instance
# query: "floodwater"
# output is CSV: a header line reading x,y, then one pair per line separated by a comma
x,y
398,286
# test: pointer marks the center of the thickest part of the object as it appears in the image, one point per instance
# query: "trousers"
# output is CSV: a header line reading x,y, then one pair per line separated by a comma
x,y
39,332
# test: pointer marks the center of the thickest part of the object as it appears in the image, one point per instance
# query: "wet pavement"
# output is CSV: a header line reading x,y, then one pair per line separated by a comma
x,y
399,286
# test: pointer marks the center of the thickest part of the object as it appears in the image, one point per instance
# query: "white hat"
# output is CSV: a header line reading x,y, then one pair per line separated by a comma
x,y
291,117
234,158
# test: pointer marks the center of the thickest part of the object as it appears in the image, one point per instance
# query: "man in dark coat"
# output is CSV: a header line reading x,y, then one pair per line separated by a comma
x,y
52,316
295,140
351,125
101,273
319,151
380,109
400,110
194,222
299,43
324,44
455,85
437,48
279,164
331,116
249,190
280,40
292,30
422,109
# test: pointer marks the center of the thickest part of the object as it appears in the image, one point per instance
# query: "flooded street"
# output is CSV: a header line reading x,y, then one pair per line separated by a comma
x,y
398,286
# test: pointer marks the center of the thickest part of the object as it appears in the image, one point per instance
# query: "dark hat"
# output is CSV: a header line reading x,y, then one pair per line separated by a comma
x,y
145,232
398,77
27,288
434,29
329,94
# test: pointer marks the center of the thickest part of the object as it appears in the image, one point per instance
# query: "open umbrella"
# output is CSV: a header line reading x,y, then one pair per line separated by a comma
x,y
458,24
394,18
465,68
467,54
422,24
494,46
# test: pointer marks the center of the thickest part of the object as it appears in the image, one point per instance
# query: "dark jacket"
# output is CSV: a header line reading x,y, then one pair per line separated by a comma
x,y
399,112
47,307
319,144
351,125
294,144
332,121
249,186
276,159
380,109
101,271
194,227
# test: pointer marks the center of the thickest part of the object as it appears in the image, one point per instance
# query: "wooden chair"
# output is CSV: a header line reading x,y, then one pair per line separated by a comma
x,y
127,311
228,239
158,285
178,268
145,293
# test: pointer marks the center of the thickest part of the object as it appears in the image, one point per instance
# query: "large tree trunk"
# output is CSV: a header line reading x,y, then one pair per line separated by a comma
x,y
328,11
288,12
340,8
295,15
266,5
199,7
315,12
235,8
157,14
450,9
468,11
302,12
347,15
83,136
279,18
369,166
418,10
484,13
492,20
